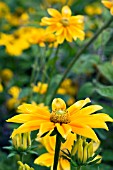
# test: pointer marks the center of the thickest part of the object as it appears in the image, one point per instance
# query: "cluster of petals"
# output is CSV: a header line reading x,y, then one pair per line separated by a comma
x,y
47,158
81,119
64,25
108,4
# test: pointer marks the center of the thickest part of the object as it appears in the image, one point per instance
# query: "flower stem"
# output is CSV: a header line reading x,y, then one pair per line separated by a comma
x,y
79,168
57,151
76,57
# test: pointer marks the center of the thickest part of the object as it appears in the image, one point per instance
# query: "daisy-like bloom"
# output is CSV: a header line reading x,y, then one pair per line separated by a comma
x,y
109,4
74,119
47,159
64,25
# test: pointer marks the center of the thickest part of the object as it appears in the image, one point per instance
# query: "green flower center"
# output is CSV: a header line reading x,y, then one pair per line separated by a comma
x,y
65,21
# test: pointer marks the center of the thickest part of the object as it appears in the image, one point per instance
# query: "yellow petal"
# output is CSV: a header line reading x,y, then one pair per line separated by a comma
x,y
69,142
54,13
86,111
107,4
65,164
83,130
22,118
62,129
66,12
46,127
77,106
45,159
111,10
30,108
28,127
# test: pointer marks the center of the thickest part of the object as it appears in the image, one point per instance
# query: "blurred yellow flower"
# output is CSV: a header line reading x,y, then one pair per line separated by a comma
x,y
74,119
40,88
6,75
12,102
4,9
64,24
47,159
93,9
1,87
14,43
108,4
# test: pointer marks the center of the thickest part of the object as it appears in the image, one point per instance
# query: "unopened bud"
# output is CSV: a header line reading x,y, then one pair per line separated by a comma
x,y
58,104
80,149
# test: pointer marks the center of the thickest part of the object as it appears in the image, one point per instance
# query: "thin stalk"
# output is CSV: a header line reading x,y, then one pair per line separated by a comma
x,y
79,168
57,151
53,55
76,57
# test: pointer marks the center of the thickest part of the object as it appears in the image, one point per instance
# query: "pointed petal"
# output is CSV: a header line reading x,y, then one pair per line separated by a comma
x,y
45,127
69,142
83,130
65,164
54,13
62,129
66,12
32,109
86,111
77,106
28,127
45,159
107,4
22,118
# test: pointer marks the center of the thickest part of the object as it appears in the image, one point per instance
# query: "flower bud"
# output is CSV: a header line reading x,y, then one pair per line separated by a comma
x,y
58,104
22,141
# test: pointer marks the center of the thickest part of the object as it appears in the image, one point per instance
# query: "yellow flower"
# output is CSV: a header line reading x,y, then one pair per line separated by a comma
x,y
47,159
24,166
14,91
74,119
15,43
1,87
109,4
4,9
6,75
93,9
40,88
64,24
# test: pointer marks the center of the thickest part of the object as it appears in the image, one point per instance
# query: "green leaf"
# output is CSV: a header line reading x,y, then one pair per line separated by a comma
x,y
25,92
106,69
85,64
107,155
86,90
11,154
105,91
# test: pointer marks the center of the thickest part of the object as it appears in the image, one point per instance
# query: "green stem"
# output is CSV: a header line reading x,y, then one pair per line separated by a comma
x,y
79,168
57,151
76,57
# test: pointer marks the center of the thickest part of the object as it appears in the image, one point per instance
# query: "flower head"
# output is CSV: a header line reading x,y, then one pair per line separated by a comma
x,y
74,119
108,4
64,24
47,159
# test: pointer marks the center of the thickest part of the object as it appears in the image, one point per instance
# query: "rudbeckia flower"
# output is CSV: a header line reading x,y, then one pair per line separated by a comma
x,y
74,119
109,4
47,159
64,24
